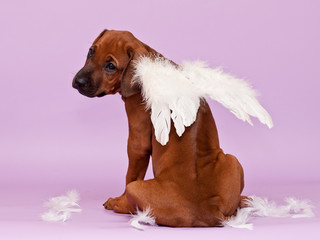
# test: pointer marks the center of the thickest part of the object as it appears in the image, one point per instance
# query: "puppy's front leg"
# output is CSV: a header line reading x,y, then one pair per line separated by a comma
x,y
139,149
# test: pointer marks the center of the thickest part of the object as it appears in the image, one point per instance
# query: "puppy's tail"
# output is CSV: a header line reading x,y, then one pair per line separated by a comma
x,y
254,206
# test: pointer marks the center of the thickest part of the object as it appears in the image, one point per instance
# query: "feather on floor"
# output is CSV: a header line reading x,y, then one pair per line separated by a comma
x,y
262,207
143,218
61,207
174,92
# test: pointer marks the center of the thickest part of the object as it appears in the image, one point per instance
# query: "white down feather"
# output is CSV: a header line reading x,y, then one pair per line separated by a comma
x,y
174,92
143,218
262,207
62,207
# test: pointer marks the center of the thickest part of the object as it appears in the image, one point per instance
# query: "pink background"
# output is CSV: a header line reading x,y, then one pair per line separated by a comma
x,y
52,139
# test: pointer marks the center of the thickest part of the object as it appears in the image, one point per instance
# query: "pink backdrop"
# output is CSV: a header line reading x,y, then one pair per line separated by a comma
x,y
53,139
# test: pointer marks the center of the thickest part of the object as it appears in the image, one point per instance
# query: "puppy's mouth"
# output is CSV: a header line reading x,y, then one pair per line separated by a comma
x,y
101,94
89,94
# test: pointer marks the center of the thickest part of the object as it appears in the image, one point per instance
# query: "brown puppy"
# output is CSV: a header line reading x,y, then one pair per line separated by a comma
x,y
195,183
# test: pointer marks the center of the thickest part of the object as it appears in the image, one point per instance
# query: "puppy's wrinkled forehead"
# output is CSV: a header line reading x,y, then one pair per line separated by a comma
x,y
113,43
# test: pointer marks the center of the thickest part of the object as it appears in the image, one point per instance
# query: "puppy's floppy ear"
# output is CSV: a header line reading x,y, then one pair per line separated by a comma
x,y
100,35
127,88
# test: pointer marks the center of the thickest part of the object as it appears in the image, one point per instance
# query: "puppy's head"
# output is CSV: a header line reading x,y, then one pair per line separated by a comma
x,y
110,64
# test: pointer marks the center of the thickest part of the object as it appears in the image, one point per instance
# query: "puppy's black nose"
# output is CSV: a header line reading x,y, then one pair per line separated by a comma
x,y
80,82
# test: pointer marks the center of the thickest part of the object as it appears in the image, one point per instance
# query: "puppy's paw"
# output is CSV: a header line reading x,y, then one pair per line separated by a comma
x,y
119,205
109,204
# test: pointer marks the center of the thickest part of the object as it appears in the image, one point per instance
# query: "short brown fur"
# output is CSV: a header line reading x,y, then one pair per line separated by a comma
x,y
195,183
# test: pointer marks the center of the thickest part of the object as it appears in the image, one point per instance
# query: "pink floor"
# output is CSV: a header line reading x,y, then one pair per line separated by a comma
x,y
21,208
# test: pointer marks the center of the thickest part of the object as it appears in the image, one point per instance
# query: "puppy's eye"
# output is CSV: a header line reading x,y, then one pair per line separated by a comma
x,y
110,67
90,53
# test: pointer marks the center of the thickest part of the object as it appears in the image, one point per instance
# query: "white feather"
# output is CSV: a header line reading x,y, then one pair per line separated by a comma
x,y
174,92
160,117
143,218
301,208
240,220
61,207
262,207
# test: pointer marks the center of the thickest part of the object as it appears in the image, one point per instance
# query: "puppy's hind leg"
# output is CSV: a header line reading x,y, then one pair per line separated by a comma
x,y
167,206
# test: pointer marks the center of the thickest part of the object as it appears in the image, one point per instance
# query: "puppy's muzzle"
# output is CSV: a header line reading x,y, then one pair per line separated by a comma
x,y
84,86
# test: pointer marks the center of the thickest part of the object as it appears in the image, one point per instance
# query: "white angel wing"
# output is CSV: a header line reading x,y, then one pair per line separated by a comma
x,y
174,92
168,94
233,93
